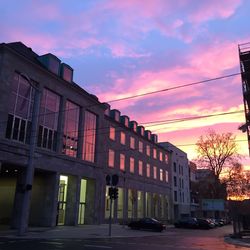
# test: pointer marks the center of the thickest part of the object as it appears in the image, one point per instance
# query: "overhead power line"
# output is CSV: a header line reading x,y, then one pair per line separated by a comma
x,y
175,87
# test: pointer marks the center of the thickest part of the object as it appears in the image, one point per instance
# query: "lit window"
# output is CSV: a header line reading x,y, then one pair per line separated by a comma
x,y
141,146
132,142
89,137
148,150
122,162
166,176
155,172
161,175
154,153
160,156
148,170
111,158
132,165
140,168
123,138
112,133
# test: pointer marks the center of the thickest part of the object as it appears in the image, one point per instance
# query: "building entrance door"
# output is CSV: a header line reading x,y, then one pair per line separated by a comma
x,y
62,200
82,202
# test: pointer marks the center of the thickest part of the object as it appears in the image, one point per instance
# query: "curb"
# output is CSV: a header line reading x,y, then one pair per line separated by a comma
x,y
238,242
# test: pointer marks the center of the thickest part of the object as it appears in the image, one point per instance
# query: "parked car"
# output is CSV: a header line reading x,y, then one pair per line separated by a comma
x,y
205,223
147,224
187,222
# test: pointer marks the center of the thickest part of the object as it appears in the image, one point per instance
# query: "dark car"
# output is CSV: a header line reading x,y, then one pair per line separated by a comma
x,y
147,224
205,223
187,222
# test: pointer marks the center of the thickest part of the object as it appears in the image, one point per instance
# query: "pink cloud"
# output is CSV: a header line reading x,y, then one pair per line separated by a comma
x,y
213,9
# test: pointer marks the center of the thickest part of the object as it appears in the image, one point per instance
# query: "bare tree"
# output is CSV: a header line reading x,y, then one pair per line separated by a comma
x,y
216,151
238,182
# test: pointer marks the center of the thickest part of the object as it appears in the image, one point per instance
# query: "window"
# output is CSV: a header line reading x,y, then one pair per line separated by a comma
x,y
148,150
161,175
154,153
166,176
111,158
175,196
132,165
48,120
155,172
175,181
112,133
123,138
89,136
148,170
132,142
20,109
141,146
166,158
160,156
70,136
122,162
140,164
175,167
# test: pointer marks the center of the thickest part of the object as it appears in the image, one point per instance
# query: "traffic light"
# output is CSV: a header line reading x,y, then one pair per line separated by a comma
x,y
113,193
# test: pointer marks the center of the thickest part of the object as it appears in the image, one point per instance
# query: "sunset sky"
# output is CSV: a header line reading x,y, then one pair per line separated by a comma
x,y
123,48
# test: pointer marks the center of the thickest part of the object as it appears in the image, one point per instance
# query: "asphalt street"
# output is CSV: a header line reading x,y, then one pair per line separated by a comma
x,y
176,239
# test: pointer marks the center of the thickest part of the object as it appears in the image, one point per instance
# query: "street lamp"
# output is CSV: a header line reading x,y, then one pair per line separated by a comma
x,y
29,171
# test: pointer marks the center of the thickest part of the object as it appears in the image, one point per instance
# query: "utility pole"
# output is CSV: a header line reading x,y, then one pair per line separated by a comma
x,y
29,171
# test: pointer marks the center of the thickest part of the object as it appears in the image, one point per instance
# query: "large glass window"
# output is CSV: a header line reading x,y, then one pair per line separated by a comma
x,y
166,175
89,137
161,174
148,170
122,162
140,164
48,119
20,109
154,153
123,138
132,142
155,172
111,159
148,150
141,146
70,137
112,133
132,165
160,156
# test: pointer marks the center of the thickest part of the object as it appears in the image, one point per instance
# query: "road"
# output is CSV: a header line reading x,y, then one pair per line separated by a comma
x,y
174,239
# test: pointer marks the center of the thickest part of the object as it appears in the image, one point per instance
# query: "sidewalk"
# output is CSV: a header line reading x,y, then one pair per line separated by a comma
x,y
79,232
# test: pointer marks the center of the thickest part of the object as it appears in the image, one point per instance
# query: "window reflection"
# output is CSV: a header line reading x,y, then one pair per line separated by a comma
x,y
89,139
70,137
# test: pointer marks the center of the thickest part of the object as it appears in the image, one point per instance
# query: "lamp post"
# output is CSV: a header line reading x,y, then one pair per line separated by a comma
x,y
29,171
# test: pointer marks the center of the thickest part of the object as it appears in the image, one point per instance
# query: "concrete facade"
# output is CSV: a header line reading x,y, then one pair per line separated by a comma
x,y
180,181
71,154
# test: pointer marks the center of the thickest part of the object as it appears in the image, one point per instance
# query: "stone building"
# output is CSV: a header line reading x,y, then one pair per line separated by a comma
x,y
58,143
